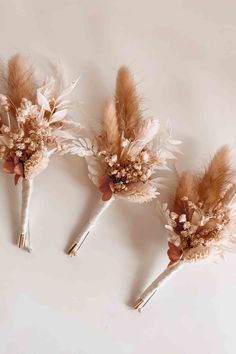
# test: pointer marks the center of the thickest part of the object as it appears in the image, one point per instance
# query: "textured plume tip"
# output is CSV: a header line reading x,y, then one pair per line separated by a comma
x,y
72,250
23,244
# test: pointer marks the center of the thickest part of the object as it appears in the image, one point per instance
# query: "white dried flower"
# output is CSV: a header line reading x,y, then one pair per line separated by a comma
x,y
144,156
114,158
148,173
20,146
169,228
173,215
143,178
125,143
5,129
18,153
123,172
219,227
184,233
177,242
36,164
182,218
184,198
137,166
186,225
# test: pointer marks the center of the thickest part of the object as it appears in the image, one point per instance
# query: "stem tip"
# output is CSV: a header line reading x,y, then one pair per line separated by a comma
x,y
138,304
22,243
72,250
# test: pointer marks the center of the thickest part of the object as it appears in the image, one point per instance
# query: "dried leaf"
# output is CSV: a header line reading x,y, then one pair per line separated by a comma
x,y
8,167
18,169
17,179
174,253
42,101
67,91
59,115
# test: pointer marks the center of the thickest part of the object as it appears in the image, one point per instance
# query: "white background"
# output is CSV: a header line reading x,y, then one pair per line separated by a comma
x,y
183,54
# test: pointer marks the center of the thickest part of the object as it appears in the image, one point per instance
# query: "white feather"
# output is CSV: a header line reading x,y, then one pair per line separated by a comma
x,y
67,90
59,115
144,135
42,101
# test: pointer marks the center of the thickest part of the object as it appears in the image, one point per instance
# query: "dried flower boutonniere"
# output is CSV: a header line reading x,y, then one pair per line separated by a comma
x,y
33,127
202,220
125,157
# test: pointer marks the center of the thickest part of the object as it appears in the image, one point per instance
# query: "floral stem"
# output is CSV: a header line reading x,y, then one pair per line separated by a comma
x,y
100,208
24,237
158,282
9,120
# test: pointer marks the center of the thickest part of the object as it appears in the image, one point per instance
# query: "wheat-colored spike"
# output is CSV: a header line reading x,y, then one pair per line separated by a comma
x,y
20,81
187,187
110,136
216,177
127,103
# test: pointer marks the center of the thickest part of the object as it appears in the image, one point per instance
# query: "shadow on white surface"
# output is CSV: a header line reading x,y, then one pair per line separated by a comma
x,y
32,322
13,205
146,243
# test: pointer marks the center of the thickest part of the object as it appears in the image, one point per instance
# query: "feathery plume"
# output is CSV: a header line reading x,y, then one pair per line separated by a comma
x,y
217,175
202,221
127,103
110,135
33,127
20,82
125,158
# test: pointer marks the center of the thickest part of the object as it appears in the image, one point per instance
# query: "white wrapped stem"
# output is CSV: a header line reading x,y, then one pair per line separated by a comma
x,y
24,237
100,208
160,281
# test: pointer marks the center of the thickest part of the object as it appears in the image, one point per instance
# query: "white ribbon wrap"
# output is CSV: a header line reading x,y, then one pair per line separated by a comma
x,y
100,208
160,281
24,237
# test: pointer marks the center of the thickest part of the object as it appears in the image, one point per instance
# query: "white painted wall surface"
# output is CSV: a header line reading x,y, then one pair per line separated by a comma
x,y
183,54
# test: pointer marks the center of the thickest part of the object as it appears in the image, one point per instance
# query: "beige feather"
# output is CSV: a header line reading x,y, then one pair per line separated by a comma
x,y
187,187
140,193
128,135
109,138
127,103
216,178
229,195
201,225
20,81
58,74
